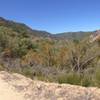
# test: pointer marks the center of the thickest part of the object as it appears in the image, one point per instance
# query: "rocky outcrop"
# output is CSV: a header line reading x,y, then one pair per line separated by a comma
x,y
95,36
18,87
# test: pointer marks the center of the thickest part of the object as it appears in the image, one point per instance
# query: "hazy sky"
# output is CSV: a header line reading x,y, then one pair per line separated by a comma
x,y
54,15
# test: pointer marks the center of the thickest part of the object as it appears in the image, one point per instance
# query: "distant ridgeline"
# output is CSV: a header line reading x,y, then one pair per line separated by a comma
x,y
24,29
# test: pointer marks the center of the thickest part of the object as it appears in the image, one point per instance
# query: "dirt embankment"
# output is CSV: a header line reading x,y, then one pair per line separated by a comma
x,y
18,87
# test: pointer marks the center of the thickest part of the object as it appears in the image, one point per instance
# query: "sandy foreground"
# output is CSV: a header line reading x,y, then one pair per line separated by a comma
x,y
18,87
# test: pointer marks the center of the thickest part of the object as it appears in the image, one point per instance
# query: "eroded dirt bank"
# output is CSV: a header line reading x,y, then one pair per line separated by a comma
x,y
18,87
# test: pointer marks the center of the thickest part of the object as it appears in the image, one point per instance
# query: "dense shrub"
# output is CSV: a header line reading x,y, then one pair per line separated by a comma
x,y
71,78
64,61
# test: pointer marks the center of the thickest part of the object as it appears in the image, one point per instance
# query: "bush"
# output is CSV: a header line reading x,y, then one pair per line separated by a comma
x,y
70,78
86,81
27,71
96,77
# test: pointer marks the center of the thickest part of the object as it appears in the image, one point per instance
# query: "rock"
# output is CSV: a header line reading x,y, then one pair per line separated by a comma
x,y
95,36
18,87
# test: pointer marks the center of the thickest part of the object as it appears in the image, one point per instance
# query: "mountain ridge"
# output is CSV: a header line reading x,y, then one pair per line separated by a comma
x,y
24,29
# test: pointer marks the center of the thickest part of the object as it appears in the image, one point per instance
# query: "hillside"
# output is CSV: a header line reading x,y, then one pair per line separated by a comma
x,y
24,29
73,35
73,60
18,87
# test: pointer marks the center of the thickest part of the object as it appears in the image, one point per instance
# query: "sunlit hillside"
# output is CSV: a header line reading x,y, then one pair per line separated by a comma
x,y
48,57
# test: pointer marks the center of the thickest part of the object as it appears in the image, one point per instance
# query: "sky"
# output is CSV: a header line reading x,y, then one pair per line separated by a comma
x,y
54,16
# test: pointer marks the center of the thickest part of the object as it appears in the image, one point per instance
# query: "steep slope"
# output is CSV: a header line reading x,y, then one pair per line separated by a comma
x,y
22,28
18,87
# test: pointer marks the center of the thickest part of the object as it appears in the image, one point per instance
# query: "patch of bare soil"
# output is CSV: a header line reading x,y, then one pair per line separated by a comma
x,y
18,87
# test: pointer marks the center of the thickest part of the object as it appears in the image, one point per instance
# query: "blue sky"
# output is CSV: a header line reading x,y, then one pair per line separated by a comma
x,y
54,15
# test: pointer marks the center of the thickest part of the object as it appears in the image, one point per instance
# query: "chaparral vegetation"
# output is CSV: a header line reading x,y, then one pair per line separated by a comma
x,y
65,58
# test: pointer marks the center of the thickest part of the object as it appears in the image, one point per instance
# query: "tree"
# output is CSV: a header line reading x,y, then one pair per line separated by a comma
x,y
82,54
